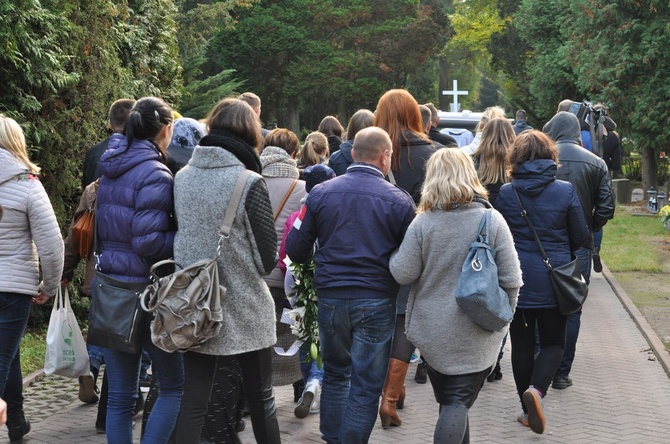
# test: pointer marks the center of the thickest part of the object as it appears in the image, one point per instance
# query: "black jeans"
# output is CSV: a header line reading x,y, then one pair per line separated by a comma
x,y
528,369
200,370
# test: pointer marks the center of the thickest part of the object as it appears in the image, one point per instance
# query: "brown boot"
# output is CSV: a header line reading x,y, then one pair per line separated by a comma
x,y
393,391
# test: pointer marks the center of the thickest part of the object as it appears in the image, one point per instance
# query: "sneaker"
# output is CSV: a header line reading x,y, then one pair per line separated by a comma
x,y
415,357
87,389
523,419
561,382
532,399
597,264
307,399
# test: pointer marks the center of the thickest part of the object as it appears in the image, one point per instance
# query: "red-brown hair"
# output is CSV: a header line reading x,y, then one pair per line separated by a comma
x,y
398,112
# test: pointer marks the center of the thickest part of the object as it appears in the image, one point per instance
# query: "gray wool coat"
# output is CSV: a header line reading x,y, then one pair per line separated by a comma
x,y
202,191
430,258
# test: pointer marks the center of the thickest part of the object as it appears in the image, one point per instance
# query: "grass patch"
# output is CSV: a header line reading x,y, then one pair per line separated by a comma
x,y
635,243
33,346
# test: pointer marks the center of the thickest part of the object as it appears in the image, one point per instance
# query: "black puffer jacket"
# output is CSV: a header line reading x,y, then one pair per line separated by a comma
x,y
583,169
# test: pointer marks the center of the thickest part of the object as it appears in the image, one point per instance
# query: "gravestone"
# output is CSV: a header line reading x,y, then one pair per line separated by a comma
x,y
621,188
455,107
638,195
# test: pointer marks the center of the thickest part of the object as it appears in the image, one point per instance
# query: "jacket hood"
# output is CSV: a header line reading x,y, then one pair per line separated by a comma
x,y
10,166
119,158
532,177
345,149
563,127
277,162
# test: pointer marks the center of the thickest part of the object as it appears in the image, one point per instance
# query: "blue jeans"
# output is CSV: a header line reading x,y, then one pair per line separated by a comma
x,y
585,256
123,370
14,314
356,337
309,370
96,355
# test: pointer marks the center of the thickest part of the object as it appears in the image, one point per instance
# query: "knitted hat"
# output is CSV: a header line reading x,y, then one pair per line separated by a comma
x,y
317,174
187,132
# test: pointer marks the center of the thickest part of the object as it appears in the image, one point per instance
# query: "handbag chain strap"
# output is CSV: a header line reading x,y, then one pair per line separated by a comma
x,y
283,202
229,217
524,214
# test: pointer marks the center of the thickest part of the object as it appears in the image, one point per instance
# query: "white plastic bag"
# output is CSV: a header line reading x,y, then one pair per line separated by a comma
x,y
66,353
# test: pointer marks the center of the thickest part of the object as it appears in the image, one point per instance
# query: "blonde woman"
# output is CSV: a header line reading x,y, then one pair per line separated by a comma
x,y
489,114
30,240
491,156
459,353
314,151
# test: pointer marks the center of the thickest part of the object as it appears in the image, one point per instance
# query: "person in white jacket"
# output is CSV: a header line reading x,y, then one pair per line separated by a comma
x,y
29,237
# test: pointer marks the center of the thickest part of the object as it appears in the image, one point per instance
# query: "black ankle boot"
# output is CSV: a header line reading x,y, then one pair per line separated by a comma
x,y
496,374
18,426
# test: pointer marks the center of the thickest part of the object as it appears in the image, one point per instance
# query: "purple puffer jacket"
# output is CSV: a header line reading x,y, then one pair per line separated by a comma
x,y
135,209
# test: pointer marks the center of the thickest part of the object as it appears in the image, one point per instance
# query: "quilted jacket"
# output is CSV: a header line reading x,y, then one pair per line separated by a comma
x,y
135,209
29,233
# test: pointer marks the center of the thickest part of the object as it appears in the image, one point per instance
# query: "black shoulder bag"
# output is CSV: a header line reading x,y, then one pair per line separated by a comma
x,y
115,317
567,281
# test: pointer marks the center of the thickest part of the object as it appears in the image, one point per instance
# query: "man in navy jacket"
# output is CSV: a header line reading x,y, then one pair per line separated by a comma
x,y
357,220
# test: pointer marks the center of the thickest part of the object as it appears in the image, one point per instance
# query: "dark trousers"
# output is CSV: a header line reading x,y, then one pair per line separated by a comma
x,y
528,369
200,370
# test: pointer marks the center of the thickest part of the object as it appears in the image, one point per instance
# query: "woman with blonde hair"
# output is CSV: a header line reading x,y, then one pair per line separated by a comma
x,y
459,354
489,114
30,242
491,156
399,115
314,151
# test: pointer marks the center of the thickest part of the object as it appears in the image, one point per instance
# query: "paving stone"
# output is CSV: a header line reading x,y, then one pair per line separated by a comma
x,y
618,396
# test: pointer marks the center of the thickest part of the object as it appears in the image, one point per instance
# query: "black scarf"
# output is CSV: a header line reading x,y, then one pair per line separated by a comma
x,y
244,152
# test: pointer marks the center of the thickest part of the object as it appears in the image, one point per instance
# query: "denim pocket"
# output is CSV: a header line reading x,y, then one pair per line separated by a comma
x,y
377,322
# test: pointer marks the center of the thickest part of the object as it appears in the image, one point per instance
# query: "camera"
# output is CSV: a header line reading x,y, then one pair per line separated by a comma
x,y
590,116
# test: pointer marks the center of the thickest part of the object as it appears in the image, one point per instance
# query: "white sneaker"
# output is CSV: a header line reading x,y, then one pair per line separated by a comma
x,y
316,402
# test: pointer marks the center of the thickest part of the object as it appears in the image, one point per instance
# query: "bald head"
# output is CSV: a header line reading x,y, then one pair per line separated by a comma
x,y
373,145
564,105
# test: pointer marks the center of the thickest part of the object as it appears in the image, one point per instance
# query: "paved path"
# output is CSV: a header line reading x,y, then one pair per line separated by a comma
x,y
621,394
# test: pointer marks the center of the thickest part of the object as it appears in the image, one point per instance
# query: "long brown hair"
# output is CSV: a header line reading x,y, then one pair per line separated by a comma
x,y
497,139
398,112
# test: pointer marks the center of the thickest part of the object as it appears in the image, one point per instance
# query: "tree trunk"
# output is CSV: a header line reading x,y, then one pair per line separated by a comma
x,y
443,85
649,170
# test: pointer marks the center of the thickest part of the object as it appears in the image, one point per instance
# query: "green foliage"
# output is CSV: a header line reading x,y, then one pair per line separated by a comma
x,y
316,57
33,348
202,95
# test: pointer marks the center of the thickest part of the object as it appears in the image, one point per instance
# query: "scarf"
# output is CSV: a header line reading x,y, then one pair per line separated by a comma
x,y
276,162
244,152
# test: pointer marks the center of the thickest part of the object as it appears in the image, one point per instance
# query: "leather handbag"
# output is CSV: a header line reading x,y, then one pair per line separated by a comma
x,y
567,281
115,317
83,232
478,292
187,303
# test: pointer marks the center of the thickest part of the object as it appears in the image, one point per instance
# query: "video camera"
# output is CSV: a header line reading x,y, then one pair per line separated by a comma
x,y
593,119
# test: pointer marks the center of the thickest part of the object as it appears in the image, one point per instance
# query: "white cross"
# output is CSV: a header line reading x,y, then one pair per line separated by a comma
x,y
455,93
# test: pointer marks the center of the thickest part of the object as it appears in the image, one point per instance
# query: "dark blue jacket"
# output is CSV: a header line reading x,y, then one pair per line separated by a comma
x,y
556,214
341,159
135,209
359,219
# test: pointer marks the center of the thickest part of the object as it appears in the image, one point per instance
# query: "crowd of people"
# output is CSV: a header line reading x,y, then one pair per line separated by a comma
x,y
385,211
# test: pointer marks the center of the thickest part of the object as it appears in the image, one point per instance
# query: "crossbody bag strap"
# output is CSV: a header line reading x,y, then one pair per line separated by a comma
x,y
524,214
283,202
229,217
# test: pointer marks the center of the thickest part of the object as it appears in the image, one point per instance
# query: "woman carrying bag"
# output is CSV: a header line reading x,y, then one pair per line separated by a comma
x,y
556,214
459,354
30,240
135,229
